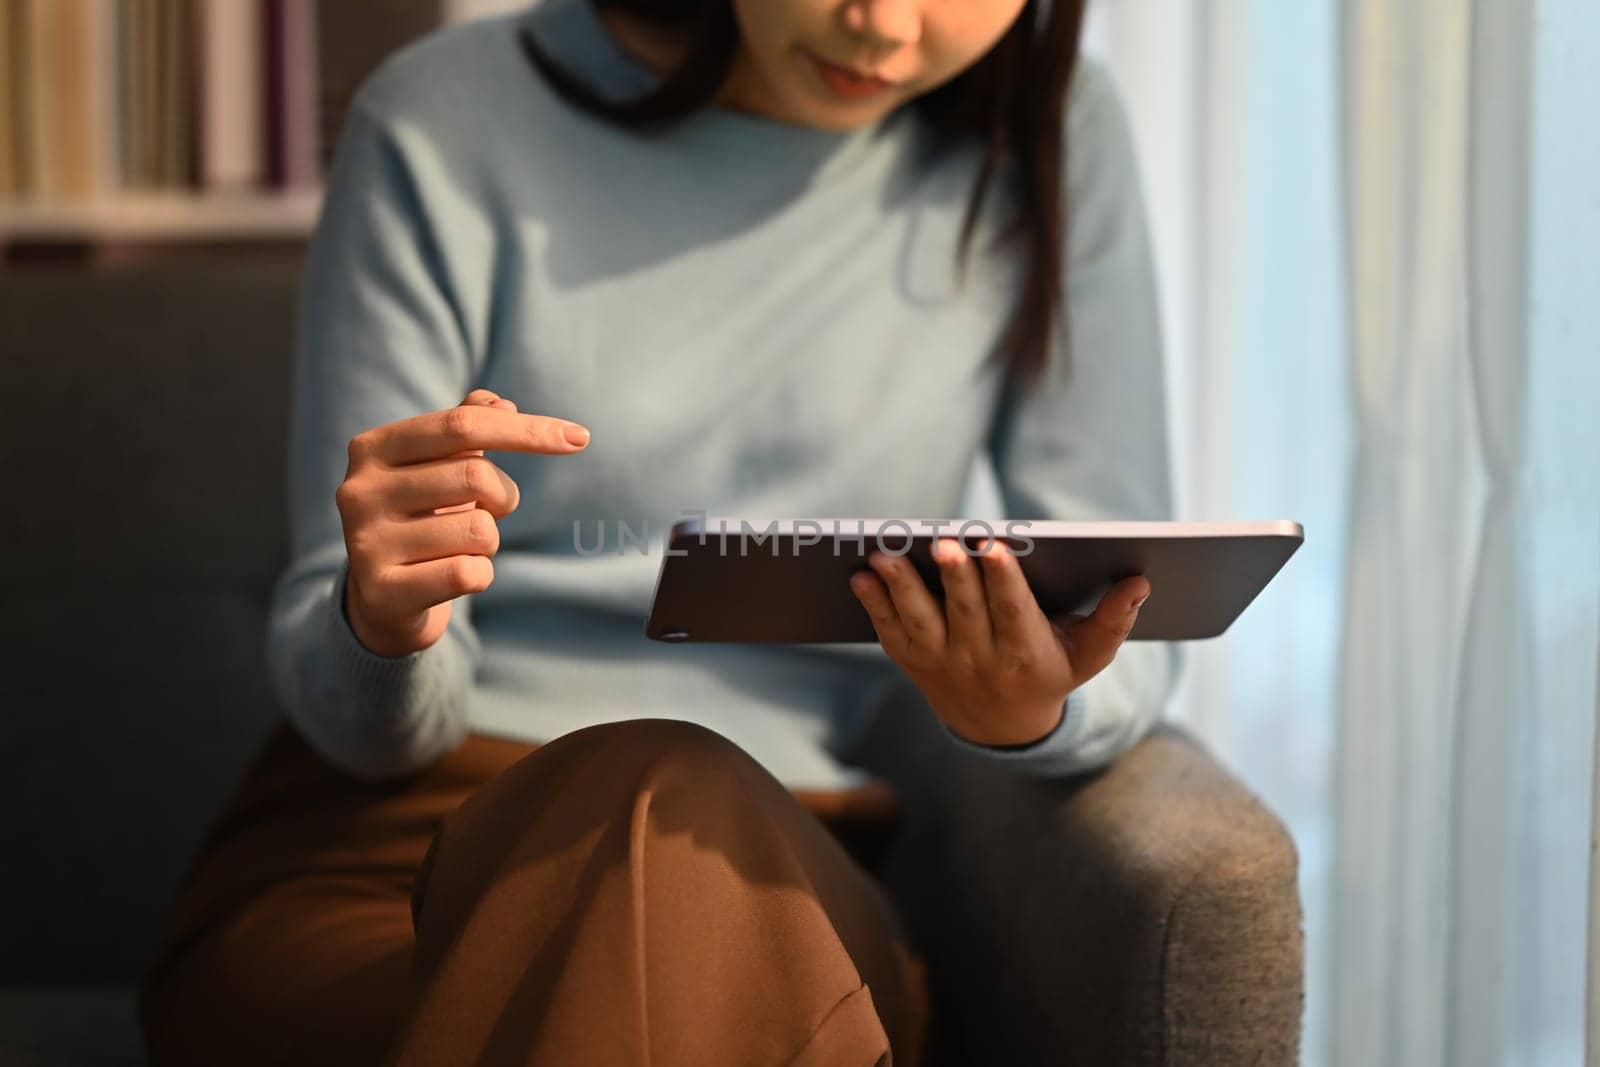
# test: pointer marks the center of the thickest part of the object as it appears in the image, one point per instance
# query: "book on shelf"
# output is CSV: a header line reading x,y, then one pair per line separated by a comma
x,y
293,94
11,162
59,137
106,97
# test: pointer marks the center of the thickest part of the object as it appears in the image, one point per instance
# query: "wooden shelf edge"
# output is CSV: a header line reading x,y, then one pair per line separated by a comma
x,y
163,216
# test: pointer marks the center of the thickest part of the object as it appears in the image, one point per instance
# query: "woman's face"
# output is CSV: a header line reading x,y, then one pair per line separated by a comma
x,y
782,71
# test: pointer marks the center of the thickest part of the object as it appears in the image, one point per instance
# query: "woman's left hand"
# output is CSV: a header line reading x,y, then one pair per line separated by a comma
x,y
992,666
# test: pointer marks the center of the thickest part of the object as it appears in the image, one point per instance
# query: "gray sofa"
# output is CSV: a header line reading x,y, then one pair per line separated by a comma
x,y
144,459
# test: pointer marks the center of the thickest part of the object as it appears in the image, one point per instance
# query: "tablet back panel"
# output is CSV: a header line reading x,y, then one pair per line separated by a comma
x,y
782,582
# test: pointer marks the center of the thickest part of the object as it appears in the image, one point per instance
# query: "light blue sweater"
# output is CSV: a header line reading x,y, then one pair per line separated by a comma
x,y
753,318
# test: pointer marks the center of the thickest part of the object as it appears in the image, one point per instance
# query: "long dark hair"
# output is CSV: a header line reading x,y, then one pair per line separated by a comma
x,y
1013,99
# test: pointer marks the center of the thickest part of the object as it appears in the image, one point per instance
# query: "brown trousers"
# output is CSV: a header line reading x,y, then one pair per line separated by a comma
x,y
636,892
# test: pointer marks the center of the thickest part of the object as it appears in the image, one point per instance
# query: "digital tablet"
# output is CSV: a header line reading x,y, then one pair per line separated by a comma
x,y
787,580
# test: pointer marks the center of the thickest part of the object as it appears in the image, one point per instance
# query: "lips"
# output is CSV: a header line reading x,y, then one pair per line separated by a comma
x,y
846,82
859,75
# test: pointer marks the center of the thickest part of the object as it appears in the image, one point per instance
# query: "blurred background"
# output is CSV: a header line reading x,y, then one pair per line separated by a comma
x,y
1377,228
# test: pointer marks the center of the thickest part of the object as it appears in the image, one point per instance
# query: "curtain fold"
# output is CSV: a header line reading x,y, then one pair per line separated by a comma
x,y
1435,646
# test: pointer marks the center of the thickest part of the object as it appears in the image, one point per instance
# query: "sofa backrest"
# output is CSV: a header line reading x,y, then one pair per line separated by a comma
x,y
145,424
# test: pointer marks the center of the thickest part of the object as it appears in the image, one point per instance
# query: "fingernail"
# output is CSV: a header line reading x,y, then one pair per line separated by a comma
x,y
575,434
1140,602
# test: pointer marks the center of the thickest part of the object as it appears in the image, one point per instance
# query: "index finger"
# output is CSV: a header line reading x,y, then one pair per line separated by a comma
x,y
445,433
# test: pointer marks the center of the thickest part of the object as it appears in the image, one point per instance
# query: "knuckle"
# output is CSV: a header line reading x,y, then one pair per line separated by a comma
x,y
482,531
547,433
1015,662
355,496
360,445
1008,610
961,663
962,606
476,478
346,497
470,574
462,575
359,547
458,424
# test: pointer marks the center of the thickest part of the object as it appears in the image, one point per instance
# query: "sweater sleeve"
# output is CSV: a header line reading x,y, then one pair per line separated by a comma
x,y
1089,442
379,338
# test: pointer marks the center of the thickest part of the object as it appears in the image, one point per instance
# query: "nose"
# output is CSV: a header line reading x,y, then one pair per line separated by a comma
x,y
885,22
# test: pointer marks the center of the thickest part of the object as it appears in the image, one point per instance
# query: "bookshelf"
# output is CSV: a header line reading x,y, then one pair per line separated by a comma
x,y
189,127
306,56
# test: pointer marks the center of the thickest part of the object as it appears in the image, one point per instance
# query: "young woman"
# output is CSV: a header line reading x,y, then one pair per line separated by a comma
x,y
746,257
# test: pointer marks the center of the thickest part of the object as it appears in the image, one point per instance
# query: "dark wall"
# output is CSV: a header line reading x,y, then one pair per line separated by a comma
x,y
143,457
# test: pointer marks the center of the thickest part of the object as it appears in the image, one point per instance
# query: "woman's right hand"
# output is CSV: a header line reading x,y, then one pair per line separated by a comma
x,y
419,504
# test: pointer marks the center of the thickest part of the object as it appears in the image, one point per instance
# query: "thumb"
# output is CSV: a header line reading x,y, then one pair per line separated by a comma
x,y
1093,640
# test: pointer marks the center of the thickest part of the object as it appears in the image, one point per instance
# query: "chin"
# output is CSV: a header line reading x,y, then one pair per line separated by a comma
x,y
839,117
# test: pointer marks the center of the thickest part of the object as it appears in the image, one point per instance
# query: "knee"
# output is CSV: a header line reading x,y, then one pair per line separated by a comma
x,y
652,739
596,785
640,750
608,769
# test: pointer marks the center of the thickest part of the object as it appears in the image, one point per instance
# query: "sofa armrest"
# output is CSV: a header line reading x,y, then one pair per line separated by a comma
x,y
1147,913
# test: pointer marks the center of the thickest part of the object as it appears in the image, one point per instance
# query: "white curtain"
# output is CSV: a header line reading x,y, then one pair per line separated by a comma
x,y
1378,233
